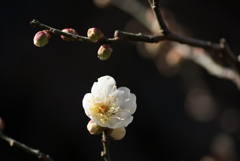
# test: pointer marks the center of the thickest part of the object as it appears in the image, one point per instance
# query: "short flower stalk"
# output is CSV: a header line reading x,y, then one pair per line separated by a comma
x,y
105,141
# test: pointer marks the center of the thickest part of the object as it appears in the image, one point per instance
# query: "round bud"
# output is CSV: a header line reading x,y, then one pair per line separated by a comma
x,y
70,31
104,52
94,34
2,124
93,128
117,134
41,38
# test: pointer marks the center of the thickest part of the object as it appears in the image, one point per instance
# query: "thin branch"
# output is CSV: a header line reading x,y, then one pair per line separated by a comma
x,y
155,7
119,36
36,23
35,152
105,141
217,48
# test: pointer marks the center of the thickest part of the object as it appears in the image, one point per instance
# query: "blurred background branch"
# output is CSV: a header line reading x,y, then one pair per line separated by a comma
x,y
13,143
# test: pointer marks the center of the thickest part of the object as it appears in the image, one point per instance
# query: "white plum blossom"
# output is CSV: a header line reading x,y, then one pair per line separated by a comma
x,y
108,106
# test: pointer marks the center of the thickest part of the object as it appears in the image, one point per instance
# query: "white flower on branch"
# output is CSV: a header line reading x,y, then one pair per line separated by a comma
x,y
108,106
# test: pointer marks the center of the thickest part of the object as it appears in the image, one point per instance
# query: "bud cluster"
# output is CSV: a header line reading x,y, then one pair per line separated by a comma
x,y
104,52
114,134
94,34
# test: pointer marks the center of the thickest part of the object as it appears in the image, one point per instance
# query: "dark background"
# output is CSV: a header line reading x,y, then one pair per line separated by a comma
x,y
42,88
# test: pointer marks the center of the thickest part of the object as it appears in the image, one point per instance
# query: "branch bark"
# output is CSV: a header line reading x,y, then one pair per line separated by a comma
x,y
41,156
119,36
222,48
105,141
36,23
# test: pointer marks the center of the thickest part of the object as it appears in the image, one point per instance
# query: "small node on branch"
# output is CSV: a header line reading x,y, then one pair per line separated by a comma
x,y
2,124
116,134
41,38
118,35
104,52
70,31
94,34
94,128
33,22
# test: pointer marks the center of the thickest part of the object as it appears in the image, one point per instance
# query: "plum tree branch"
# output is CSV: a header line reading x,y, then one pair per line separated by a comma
x,y
119,36
105,141
35,152
36,23
222,48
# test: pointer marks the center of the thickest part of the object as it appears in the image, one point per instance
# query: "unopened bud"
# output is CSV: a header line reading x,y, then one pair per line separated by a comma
x,y
94,34
104,52
41,38
117,134
70,31
2,124
93,128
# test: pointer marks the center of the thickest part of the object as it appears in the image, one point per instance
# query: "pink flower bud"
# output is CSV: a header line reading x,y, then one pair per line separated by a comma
x,y
104,52
93,128
94,34
41,38
117,134
70,31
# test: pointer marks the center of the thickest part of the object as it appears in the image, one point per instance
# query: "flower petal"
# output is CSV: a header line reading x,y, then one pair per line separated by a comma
x,y
97,121
130,104
121,94
128,121
86,102
116,123
126,100
105,85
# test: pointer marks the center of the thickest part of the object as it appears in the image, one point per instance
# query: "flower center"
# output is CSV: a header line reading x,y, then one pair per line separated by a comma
x,y
103,107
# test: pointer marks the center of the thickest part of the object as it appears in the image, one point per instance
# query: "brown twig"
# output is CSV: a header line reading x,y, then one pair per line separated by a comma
x,y
105,141
35,152
217,48
36,23
119,36
155,6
